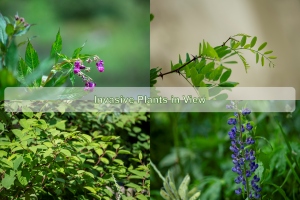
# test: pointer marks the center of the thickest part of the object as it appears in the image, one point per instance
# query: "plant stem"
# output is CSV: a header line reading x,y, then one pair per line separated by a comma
x,y
157,171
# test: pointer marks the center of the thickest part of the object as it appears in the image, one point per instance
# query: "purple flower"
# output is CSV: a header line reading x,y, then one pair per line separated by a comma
x,y
243,159
81,67
238,191
232,121
246,111
249,127
100,69
76,70
89,86
77,64
100,65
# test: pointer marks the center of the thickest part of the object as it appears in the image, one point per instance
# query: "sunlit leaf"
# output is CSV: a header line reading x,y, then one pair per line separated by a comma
x,y
262,46
253,41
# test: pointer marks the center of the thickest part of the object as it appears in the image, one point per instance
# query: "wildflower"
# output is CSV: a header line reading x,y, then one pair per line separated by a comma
x,y
238,191
76,70
246,111
249,127
100,66
232,121
78,66
243,159
89,86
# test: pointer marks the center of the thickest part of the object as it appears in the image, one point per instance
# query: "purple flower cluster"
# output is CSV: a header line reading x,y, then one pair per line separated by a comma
x,y
243,158
78,66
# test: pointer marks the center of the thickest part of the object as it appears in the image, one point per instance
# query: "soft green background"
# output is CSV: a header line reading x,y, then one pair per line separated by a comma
x,y
117,31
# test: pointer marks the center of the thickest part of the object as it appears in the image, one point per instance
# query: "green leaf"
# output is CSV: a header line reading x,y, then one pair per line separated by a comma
x,y
8,179
9,29
246,65
17,162
215,75
231,62
262,46
200,46
257,57
61,125
151,17
211,52
23,176
243,41
268,52
22,69
262,61
180,61
31,56
272,57
110,153
253,41
124,152
7,162
228,84
18,133
220,97
99,151
12,57
141,197
183,188
43,68
196,78
27,112
90,189
77,51
56,47
247,46
104,160
236,45
207,68
66,152
187,58
120,162
3,34
132,185
242,34
281,191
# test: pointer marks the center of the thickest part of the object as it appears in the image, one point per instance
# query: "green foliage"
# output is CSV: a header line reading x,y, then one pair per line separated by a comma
x,y
86,155
151,17
199,146
210,68
30,71
170,192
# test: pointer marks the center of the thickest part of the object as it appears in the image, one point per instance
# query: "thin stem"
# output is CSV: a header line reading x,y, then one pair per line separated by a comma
x,y
178,69
157,171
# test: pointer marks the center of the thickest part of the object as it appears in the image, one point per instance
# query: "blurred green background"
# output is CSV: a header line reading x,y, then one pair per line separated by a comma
x,y
117,31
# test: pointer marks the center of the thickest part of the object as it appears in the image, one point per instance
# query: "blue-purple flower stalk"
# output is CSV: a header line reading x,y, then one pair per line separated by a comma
x,y
243,156
78,66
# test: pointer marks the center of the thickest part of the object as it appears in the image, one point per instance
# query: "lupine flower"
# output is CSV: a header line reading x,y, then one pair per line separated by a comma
x,y
243,160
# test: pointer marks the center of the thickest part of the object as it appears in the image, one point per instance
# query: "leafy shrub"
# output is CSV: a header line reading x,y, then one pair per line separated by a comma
x,y
58,156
